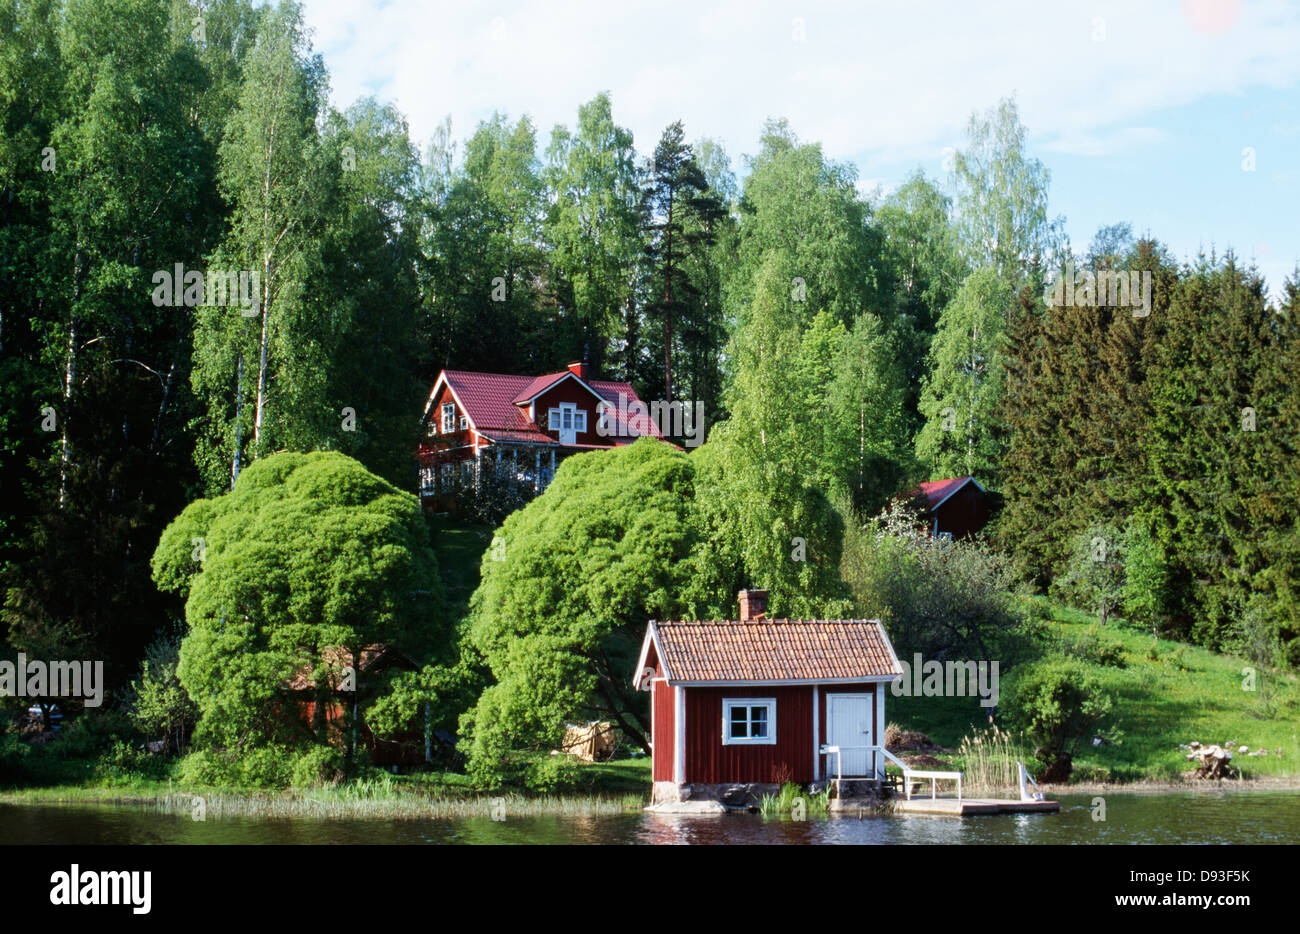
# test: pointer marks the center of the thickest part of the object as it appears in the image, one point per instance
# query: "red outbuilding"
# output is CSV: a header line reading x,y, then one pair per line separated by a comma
x,y
956,507
760,701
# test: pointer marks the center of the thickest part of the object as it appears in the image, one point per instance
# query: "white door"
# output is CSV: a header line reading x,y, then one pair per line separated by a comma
x,y
848,724
568,434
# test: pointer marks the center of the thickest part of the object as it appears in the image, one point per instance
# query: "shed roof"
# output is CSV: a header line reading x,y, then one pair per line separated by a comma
x,y
773,650
937,492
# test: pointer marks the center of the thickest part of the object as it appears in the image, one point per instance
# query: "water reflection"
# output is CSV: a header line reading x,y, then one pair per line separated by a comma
x,y
1223,817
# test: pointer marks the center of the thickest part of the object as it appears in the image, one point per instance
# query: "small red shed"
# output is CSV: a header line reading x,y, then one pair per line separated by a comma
x,y
956,507
758,701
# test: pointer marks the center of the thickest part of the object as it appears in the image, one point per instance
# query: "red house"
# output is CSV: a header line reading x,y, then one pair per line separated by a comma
x,y
519,426
956,507
760,701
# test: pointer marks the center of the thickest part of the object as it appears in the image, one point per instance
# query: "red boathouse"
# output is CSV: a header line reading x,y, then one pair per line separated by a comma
x,y
760,701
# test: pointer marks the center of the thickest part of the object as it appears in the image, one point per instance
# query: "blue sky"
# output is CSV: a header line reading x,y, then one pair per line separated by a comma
x,y
1141,111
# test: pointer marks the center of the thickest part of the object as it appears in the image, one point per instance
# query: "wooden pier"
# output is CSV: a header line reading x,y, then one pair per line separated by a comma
x,y
965,807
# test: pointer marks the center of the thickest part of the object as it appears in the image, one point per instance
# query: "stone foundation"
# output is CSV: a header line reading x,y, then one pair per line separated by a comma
x,y
729,794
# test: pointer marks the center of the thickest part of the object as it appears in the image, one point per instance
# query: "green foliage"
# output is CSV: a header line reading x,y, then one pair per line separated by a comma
x,y
935,597
1146,578
1002,197
959,401
306,553
1058,703
158,701
1094,576
263,766
566,592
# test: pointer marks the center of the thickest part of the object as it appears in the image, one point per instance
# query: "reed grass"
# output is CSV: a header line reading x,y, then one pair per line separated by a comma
x,y
989,758
783,802
372,799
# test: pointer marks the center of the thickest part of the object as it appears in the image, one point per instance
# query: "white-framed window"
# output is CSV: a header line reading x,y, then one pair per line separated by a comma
x,y
464,422
448,417
467,472
448,477
426,481
749,721
432,428
567,417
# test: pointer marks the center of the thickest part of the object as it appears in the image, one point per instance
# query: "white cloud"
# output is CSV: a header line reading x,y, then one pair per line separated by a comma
x,y
874,85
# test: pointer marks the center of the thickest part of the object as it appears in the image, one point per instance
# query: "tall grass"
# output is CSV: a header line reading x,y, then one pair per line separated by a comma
x,y
378,799
989,760
784,802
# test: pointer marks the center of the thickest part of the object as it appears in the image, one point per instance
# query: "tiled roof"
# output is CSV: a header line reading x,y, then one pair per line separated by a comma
x,y
489,399
537,385
776,650
936,491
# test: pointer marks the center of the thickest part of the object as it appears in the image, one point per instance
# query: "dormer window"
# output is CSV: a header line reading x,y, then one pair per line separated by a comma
x,y
448,417
567,420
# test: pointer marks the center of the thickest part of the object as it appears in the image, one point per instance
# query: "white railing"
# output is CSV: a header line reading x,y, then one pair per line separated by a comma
x,y
908,773
1024,792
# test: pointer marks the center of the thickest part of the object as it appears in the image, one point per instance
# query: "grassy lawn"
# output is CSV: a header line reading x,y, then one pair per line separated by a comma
x,y
1167,693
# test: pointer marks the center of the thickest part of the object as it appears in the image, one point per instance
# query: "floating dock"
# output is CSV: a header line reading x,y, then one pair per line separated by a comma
x,y
965,807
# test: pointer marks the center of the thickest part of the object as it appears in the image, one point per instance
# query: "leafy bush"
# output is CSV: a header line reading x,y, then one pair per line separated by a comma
x,y
1094,575
159,704
1098,648
124,763
262,767
1144,592
935,596
551,773
1058,703
316,766
94,733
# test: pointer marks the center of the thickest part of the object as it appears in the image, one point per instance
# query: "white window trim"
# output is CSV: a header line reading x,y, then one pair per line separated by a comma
x,y
730,702
448,417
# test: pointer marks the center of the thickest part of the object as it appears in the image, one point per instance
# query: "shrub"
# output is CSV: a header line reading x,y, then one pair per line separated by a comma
x,y
159,704
551,773
1144,592
316,766
934,596
1093,578
123,763
1099,649
1058,703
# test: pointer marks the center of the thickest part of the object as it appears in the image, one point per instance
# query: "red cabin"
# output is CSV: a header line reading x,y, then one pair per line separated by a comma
x,y
956,507
760,701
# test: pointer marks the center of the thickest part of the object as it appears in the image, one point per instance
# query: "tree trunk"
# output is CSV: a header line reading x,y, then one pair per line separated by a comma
x,y
239,425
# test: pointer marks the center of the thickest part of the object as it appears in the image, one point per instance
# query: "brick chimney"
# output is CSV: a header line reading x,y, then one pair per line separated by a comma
x,y
753,605
580,370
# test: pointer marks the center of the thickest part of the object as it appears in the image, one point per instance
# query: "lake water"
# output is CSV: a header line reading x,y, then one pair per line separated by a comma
x,y
1200,817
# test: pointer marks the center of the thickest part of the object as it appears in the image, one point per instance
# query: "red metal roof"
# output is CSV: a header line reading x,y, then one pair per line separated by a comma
x,y
796,650
936,491
491,402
